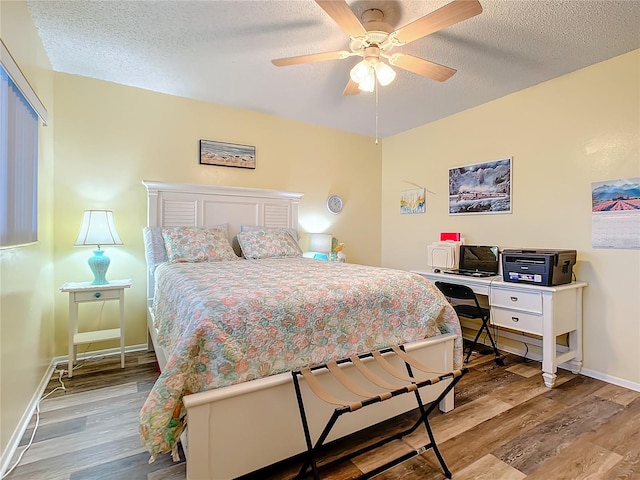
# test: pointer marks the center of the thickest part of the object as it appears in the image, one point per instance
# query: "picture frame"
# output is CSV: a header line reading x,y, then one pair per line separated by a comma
x,y
227,154
481,188
412,201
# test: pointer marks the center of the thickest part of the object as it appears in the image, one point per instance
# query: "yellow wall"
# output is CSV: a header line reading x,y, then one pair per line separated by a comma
x,y
563,135
26,273
110,137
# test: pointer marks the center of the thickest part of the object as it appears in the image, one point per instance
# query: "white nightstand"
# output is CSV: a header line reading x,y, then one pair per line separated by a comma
x,y
86,292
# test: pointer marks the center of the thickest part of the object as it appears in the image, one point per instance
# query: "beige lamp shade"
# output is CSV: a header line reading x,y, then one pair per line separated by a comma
x,y
98,228
320,242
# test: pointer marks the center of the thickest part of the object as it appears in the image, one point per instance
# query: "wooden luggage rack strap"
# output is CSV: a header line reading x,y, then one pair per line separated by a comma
x,y
410,383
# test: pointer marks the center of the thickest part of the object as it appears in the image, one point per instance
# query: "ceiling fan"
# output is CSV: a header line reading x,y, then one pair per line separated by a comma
x,y
373,40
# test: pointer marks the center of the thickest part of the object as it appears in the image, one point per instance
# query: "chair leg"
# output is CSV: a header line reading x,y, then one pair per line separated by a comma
x,y
485,326
475,342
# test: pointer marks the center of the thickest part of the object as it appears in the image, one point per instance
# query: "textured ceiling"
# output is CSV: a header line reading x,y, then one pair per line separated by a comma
x,y
220,52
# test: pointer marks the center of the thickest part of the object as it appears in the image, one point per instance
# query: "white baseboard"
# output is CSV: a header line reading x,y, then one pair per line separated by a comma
x,y
621,382
537,357
14,441
99,353
18,433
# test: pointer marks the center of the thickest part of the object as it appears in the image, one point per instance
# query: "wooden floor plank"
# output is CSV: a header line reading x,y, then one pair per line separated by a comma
x,y
617,394
416,468
581,460
76,398
473,444
574,390
131,466
524,370
530,450
467,416
117,425
489,468
371,460
526,389
627,468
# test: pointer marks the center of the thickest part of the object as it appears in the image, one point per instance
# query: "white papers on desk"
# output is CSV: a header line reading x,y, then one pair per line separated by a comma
x,y
443,254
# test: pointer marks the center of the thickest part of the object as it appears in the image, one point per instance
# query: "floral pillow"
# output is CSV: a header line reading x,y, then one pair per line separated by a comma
x,y
197,244
252,228
268,243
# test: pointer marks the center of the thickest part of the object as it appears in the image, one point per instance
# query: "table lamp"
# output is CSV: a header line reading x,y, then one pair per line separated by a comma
x,y
98,229
321,243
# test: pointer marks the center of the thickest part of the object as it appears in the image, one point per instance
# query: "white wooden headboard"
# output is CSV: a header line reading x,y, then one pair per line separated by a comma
x,y
185,204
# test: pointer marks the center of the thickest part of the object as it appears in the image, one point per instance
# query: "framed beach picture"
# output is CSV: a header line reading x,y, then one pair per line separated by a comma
x,y
412,201
227,154
480,188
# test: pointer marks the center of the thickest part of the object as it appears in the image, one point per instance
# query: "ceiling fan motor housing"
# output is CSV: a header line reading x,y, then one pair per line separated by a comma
x,y
377,30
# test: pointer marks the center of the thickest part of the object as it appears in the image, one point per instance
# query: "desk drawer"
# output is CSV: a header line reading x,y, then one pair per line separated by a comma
x,y
97,295
516,320
517,300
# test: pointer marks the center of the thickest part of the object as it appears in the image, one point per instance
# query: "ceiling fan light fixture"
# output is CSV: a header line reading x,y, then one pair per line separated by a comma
x,y
369,82
360,71
384,73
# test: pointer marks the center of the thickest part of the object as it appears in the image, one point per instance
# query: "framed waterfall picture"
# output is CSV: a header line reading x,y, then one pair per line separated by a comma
x,y
227,154
480,188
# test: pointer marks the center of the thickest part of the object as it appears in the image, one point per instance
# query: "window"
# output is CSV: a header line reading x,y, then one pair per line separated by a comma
x,y
18,155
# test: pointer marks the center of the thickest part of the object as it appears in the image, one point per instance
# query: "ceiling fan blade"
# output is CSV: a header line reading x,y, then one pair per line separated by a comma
x,y
422,67
351,88
343,16
316,57
450,14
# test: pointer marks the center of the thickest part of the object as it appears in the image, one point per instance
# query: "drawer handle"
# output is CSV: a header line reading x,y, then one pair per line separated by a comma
x,y
514,299
97,294
515,319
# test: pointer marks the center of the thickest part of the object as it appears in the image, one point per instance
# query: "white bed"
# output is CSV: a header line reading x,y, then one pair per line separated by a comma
x,y
237,429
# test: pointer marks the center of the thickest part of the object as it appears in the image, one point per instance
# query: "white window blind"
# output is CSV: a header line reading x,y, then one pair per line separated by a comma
x,y
18,165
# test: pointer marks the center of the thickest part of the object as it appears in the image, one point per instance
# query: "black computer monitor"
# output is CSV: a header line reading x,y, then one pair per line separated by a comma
x,y
479,258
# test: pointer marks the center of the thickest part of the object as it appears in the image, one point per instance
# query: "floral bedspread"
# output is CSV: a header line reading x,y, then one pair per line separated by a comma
x,y
230,322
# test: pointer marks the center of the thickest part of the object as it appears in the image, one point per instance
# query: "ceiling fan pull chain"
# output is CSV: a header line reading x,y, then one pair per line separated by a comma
x,y
376,94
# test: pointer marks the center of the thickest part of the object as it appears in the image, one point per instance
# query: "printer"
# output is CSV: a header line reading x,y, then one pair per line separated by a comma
x,y
538,267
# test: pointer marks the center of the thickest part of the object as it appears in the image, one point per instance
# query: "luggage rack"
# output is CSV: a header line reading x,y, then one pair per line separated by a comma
x,y
410,384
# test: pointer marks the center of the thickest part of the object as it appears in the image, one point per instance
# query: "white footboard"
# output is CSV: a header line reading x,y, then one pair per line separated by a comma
x,y
235,430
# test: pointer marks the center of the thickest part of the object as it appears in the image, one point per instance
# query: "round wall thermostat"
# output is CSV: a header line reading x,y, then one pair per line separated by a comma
x,y
334,204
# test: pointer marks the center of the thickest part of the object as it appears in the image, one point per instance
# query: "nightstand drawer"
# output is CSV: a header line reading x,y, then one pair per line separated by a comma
x,y
516,320
97,295
517,299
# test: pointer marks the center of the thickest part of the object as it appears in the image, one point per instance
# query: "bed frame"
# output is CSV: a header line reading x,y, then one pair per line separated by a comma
x,y
241,428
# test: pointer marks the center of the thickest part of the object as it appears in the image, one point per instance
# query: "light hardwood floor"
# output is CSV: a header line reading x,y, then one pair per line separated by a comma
x,y
506,425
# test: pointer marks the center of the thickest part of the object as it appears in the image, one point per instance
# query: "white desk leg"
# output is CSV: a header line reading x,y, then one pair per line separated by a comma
x,y
575,338
73,327
549,364
549,379
122,328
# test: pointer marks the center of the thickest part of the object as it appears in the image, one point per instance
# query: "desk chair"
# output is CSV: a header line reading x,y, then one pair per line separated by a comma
x,y
462,292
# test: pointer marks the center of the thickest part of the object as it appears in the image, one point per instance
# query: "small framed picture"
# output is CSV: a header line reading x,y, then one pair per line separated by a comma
x,y
412,201
227,154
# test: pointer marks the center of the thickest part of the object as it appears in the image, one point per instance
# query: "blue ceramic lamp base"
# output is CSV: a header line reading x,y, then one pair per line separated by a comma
x,y
99,264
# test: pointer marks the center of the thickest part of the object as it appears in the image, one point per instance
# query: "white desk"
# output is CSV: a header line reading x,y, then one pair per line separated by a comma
x,y
543,311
